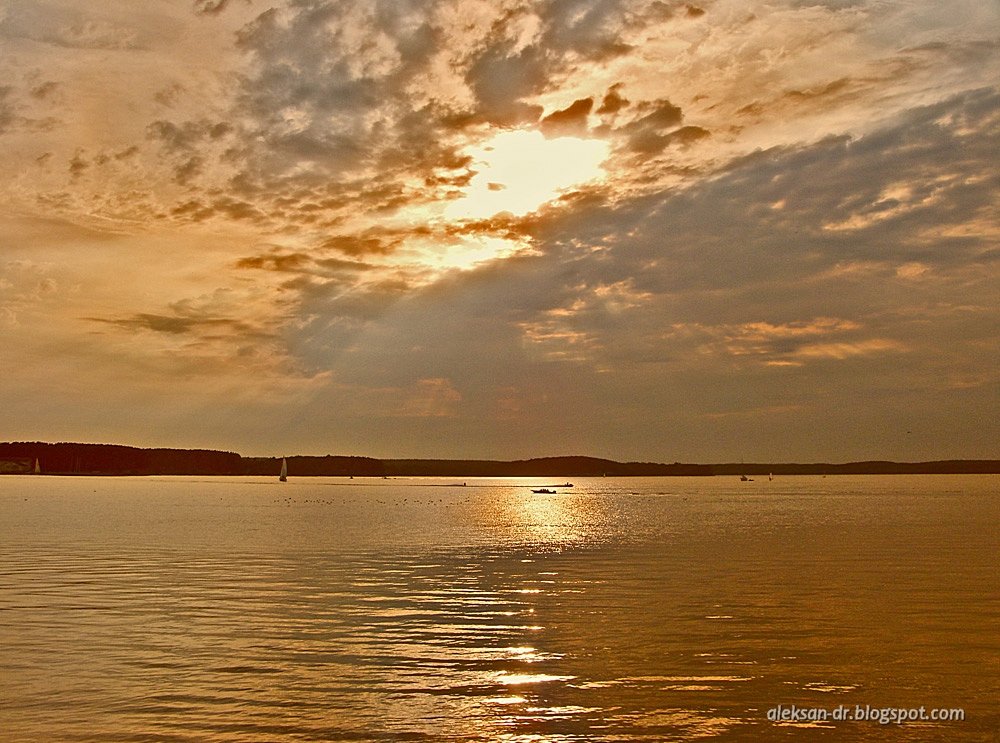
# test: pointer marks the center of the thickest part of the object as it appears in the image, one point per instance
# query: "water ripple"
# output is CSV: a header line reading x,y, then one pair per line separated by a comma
x,y
162,612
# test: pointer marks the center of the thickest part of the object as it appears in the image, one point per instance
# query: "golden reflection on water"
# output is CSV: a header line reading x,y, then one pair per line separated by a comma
x,y
663,610
553,519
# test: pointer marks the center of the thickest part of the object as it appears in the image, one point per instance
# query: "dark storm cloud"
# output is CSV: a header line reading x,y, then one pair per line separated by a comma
x,y
613,101
222,206
187,135
804,274
178,324
570,120
370,242
275,261
792,235
502,74
326,113
278,261
127,153
588,28
327,105
687,135
791,257
501,78
653,132
661,11
307,59
306,62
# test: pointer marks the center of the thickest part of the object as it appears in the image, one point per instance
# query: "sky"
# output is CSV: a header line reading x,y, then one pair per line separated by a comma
x,y
638,229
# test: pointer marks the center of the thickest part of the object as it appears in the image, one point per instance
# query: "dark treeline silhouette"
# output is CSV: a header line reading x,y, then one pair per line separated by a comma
x,y
114,459
315,466
540,467
940,467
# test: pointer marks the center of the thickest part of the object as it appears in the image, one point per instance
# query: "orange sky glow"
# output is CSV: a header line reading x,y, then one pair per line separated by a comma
x,y
640,229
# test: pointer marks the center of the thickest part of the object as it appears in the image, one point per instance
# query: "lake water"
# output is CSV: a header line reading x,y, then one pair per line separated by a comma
x,y
645,609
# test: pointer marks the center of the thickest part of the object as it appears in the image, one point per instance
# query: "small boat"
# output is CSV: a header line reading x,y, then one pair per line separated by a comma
x,y
770,476
744,478
283,477
544,490
38,467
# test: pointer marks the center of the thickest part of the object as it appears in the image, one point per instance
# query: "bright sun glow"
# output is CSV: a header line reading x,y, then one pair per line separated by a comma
x,y
518,171
467,252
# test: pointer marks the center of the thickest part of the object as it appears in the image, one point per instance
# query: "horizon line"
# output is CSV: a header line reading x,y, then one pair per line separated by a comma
x,y
741,463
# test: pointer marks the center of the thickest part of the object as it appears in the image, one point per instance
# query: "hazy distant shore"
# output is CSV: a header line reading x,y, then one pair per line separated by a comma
x,y
113,459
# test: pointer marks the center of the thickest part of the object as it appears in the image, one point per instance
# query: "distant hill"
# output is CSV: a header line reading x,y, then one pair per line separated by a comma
x,y
540,467
941,467
115,459
328,466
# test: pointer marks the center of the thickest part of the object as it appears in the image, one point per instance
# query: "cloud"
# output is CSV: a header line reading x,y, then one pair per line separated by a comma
x,y
846,350
686,135
278,261
656,130
743,267
371,242
178,324
26,286
78,165
799,197
570,120
222,206
186,136
210,7
501,79
44,90
70,30
7,111
613,101
589,29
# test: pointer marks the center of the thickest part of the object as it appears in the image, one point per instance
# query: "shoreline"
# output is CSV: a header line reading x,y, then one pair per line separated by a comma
x,y
20,458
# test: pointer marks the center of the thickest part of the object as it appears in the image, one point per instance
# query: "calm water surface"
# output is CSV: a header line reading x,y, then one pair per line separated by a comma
x,y
646,609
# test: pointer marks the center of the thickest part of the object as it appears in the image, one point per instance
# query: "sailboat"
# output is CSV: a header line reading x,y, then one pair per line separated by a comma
x,y
38,467
283,477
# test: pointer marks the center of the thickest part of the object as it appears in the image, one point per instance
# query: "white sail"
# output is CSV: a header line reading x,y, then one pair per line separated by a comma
x,y
284,470
38,468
